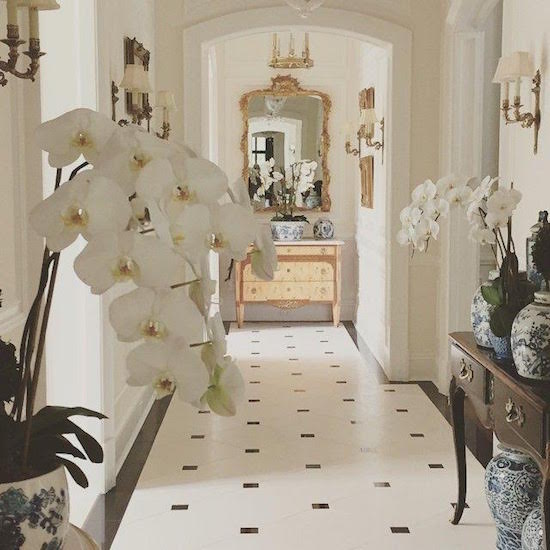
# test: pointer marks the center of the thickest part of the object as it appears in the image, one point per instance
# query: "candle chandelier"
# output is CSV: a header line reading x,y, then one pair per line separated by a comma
x,y
292,60
13,39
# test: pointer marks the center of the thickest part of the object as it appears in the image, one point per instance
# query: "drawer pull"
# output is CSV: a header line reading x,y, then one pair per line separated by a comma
x,y
514,413
466,372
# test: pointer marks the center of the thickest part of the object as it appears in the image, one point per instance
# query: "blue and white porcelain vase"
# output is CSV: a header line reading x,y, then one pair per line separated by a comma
x,y
323,229
502,345
533,533
512,486
532,274
34,513
287,230
531,338
480,312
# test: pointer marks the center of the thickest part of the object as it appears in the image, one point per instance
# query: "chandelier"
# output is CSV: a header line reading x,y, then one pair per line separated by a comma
x,y
292,60
305,7
13,40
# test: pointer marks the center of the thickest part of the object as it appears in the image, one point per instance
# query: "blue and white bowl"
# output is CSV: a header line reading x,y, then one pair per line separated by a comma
x,y
323,229
531,338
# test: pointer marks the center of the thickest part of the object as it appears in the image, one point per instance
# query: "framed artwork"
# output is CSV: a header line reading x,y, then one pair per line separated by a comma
x,y
367,182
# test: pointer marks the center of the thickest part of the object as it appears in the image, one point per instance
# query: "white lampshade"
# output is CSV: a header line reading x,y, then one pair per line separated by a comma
x,y
136,79
368,117
166,100
503,72
39,4
521,65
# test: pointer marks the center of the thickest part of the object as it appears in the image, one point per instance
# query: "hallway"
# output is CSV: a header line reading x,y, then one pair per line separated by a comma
x,y
320,456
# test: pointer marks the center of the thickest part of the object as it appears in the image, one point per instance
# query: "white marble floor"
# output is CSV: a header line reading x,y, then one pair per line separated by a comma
x,y
319,457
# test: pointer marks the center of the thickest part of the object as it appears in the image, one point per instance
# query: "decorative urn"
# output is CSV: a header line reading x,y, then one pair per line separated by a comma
x,y
512,486
323,229
531,338
287,230
533,533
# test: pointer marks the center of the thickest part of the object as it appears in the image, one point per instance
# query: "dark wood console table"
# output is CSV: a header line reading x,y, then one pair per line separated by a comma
x,y
516,410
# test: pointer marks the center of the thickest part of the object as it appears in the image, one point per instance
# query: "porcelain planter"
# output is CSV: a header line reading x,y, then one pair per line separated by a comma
x,y
531,338
479,314
34,513
502,347
533,534
287,231
512,487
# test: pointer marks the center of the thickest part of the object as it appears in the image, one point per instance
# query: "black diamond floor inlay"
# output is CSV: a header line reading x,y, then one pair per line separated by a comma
x,y
252,451
400,530
303,410
249,530
389,391
253,423
296,374
381,484
299,391
321,506
190,468
251,485
341,381
253,400
349,400
204,412
329,353
307,435
197,437
180,507
254,366
417,435
313,466
436,466
255,382
335,366
402,410
291,347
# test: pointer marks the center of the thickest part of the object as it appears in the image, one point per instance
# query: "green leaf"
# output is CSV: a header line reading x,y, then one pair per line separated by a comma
x,y
76,473
501,321
492,295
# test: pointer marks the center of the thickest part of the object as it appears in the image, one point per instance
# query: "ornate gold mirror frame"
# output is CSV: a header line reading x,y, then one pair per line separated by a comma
x,y
287,86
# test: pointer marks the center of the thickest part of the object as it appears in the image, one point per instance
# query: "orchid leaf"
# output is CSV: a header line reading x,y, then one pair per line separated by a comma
x,y
492,295
501,321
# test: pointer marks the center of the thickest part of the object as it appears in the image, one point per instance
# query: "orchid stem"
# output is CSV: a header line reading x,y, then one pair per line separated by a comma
x,y
187,283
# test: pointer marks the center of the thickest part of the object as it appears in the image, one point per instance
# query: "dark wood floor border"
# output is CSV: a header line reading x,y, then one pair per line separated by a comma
x,y
478,439
106,515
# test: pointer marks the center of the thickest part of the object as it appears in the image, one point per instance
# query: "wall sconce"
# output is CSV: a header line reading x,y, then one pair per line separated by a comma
x,y
166,102
513,68
365,134
13,40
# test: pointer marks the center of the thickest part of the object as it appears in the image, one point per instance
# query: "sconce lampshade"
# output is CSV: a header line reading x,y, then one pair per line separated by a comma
x,y
136,79
368,117
166,100
502,74
39,4
514,66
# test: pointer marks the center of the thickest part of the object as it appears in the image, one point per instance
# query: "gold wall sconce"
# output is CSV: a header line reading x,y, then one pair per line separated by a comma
x,y
512,69
291,61
166,102
13,40
368,120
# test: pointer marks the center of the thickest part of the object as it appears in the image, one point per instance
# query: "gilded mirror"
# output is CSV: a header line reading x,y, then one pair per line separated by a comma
x,y
284,125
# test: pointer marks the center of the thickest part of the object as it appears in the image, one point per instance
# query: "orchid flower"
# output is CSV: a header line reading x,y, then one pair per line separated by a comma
x,y
191,231
168,368
89,205
460,196
482,235
79,132
410,216
264,255
202,290
423,193
109,259
156,315
233,228
503,202
226,389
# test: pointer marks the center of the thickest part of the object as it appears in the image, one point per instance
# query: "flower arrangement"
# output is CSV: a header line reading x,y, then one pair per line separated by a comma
x,y
150,213
290,196
489,212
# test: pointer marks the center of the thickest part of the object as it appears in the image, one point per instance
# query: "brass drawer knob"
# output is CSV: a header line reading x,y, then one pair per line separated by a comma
x,y
514,413
253,290
466,371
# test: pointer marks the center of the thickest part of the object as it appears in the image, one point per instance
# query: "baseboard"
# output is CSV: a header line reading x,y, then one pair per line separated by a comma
x,y
423,367
128,429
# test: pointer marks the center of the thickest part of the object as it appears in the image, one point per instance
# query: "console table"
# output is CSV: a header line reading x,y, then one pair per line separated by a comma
x,y
309,272
517,411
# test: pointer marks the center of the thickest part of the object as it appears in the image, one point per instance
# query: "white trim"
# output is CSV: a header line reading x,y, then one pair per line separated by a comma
x,y
397,41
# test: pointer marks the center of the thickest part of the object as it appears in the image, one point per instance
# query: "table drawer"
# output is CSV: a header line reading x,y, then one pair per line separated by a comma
x,y
296,271
305,250
513,413
266,291
469,374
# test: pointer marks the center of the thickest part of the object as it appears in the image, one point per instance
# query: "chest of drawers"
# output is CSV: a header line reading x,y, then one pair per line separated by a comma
x,y
309,272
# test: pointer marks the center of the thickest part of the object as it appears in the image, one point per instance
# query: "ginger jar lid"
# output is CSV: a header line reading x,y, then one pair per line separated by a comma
x,y
542,297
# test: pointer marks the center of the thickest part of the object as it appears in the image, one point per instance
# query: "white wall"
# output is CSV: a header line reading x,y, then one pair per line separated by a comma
x,y
371,231
525,27
241,66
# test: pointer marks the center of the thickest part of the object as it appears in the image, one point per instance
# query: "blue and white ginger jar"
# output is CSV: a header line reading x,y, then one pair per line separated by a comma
x,y
531,338
513,485
533,533
323,229
480,314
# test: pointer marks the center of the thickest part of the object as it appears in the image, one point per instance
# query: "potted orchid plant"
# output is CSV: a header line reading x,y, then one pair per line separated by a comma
x,y
286,225
489,212
150,213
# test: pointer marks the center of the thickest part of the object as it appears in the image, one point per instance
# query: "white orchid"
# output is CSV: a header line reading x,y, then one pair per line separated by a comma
x,y
226,389
496,221
410,216
233,228
482,235
460,196
168,367
423,193
128,153
202,290
109,259
502,203
79,132
89,205
191,231
426,229
215,351
446,184
264,256
406,236
156,315
436,208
